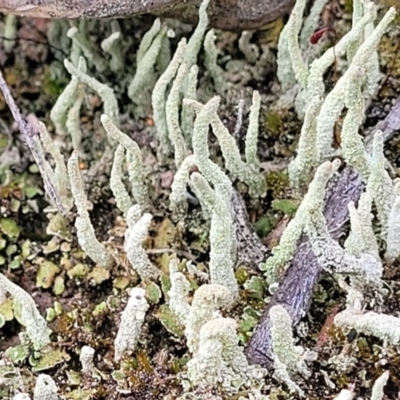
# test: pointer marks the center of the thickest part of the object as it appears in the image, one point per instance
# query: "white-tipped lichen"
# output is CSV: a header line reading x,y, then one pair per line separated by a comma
x,y
85,231
207,300
131,323
178,294
219,360
45,388
134,236
86,359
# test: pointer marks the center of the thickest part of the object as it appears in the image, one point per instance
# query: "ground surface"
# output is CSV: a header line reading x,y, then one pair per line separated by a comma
x,y
90,299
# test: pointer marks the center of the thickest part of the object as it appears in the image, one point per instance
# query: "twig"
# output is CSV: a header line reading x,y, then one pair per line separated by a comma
x,y
32,141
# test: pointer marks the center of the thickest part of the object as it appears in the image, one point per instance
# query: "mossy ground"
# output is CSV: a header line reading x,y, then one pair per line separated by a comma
x,y
86,301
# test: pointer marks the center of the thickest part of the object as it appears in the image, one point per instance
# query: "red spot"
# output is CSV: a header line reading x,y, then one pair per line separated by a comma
x,y
323,335
317,35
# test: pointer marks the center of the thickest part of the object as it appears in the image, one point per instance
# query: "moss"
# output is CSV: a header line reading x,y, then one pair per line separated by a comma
x,y
277,183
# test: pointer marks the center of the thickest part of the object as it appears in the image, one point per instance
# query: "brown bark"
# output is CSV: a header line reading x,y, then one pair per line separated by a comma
x,y
224,14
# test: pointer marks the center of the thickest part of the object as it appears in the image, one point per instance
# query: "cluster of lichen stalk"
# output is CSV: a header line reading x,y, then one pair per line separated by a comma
x,y
182,124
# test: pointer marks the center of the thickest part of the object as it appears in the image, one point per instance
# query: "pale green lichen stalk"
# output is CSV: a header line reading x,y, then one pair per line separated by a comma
x,y
85,231
380,186
113,46
288,358
35,324
175,134
178,294
362,237
245,172
221,264
136,171
88,49
86,359
117,186
393,235
380,383
106,93
66,100
159,97
210,62
300,168
61,180
334,102
142,83
252,132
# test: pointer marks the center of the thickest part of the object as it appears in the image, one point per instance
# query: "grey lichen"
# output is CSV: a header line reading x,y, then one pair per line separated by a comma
x,y
136,171
142,83
106,93
159,97
85,231
221,263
